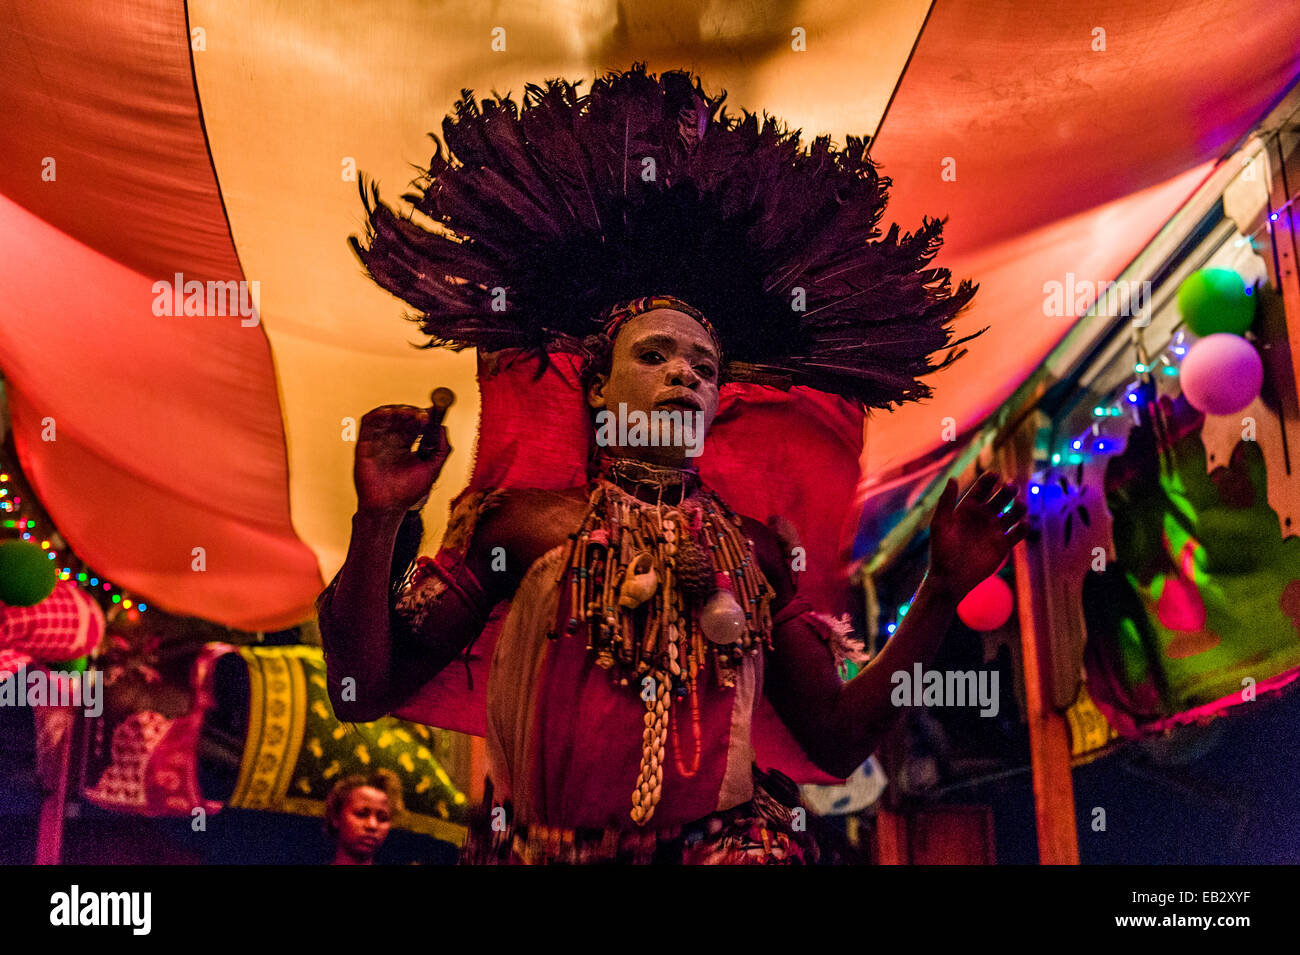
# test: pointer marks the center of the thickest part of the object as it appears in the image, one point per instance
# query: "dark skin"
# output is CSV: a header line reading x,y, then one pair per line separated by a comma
x,y
363,825
662,360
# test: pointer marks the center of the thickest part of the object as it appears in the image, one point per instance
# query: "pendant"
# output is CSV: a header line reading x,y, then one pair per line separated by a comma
x,y
640,583
722,620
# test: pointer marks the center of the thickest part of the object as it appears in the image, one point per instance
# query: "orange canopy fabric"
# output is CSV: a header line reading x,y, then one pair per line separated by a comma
x,y
203,463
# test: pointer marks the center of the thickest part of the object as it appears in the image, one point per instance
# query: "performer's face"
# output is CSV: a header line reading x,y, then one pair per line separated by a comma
x,y
664,365
365,822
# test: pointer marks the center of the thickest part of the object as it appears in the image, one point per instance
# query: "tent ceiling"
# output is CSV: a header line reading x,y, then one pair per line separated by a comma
x,y
227,162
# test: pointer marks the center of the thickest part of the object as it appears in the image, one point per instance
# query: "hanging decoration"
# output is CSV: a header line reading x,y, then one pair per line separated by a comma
x,y
1200,608
988,606
22,517
1222,374
666,596
1213,301
26,577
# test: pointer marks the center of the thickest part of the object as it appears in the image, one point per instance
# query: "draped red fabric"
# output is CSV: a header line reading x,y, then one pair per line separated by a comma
x,y
768,453
1055,138
1065,156
154,442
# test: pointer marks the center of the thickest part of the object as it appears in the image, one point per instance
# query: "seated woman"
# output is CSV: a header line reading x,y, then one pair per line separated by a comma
x,y
359,813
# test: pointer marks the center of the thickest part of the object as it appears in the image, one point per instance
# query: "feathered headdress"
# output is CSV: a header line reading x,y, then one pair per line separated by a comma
x,y
548,217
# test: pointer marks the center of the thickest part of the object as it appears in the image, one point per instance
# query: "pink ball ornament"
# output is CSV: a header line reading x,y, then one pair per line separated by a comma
x,y
988,605
1221,374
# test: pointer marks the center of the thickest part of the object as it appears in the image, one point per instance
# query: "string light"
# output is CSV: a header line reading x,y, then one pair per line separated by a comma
x,y
1093,439
26,528
1272,217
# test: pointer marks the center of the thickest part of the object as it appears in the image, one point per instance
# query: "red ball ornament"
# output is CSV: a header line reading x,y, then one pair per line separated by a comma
x,y
988,606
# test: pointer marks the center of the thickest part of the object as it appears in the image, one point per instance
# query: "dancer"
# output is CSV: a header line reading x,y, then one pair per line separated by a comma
x,y
646,617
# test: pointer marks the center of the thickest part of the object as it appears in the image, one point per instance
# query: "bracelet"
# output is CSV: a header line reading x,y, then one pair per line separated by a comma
x,y
430,580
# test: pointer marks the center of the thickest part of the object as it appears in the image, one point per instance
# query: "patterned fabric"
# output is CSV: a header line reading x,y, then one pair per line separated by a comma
x,y
761,831
152,769
64,626
296,748
619,314
1202,600
11,661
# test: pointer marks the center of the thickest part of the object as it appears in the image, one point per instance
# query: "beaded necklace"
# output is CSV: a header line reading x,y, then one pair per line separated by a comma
x,y
666,592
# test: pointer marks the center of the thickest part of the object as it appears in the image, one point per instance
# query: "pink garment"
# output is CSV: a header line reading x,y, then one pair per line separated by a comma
x,y
64,626
563,738
154,766
794,454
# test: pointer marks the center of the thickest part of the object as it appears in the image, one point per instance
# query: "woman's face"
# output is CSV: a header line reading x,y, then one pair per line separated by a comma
x,y
666,367
365,822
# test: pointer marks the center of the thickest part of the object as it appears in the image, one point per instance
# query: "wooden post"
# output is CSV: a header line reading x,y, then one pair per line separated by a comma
x,y
1049,735
55,727
1279,329
891,837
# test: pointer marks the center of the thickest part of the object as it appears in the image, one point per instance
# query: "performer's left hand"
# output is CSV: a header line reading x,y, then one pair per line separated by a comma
x,y
970,538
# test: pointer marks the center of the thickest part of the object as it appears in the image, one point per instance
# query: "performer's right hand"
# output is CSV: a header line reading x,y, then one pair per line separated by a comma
x,y
389,476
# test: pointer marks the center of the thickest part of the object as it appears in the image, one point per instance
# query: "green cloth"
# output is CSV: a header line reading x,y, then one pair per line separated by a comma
x,y
1211,540
296,748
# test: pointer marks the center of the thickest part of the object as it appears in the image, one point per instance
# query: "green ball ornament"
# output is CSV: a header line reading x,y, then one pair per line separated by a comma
x,y
27,576
1216,300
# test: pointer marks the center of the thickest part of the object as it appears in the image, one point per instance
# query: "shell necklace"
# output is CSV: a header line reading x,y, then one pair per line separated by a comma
x,y
665,592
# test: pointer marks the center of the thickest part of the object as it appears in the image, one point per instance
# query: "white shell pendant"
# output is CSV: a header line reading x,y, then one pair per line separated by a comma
x,y
640,583
721,618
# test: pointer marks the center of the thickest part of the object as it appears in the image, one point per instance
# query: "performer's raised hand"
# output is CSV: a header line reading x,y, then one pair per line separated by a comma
x,y
970,538
388,474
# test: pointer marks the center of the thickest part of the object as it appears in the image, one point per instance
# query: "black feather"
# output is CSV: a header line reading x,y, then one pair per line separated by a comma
x,y
553,206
